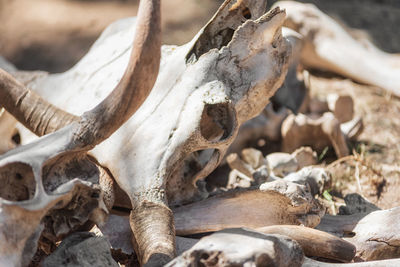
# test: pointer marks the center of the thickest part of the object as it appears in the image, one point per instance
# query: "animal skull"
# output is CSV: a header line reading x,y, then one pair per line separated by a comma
x,y
204,91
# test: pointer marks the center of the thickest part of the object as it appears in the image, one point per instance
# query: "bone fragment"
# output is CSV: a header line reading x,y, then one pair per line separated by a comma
x,y
316,178
288,203
328,46
241,247
303,130
341,105
381,263
375,235
352,129
314,242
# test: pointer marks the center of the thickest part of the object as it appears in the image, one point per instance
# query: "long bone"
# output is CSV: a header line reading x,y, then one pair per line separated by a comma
x,y
28,163
328,46
375,235
288,203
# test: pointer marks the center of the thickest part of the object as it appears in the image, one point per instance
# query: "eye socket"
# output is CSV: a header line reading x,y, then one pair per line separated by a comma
x,y
216,122
246,13
17,182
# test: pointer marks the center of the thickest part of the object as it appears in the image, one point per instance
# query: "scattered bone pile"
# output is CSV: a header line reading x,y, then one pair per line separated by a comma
x,y
114,161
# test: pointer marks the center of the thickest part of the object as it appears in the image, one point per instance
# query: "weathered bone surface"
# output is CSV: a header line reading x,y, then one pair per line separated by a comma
x,y
375,235
33,189
240,247
204,92
382,263
317,179
289,97
302,130
277,202
314,242
328,46
200,99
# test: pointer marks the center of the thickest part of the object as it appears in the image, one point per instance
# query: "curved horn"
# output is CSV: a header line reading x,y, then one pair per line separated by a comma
x,y
99,123
30,109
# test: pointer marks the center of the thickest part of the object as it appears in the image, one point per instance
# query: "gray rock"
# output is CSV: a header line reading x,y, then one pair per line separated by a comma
x,y
82,249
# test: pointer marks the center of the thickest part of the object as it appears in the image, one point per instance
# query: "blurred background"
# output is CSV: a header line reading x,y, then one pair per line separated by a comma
x,y
53,35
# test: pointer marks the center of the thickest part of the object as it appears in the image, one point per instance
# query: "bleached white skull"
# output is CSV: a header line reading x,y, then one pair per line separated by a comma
x,y
204,91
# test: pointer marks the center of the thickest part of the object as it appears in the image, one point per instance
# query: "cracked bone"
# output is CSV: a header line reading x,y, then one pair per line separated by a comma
x,y
204,91
241,247
277,202
323,131
288,97
375,235
329,46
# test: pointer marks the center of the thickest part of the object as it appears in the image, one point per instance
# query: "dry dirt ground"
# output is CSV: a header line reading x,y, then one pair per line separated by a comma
x,y
53,34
